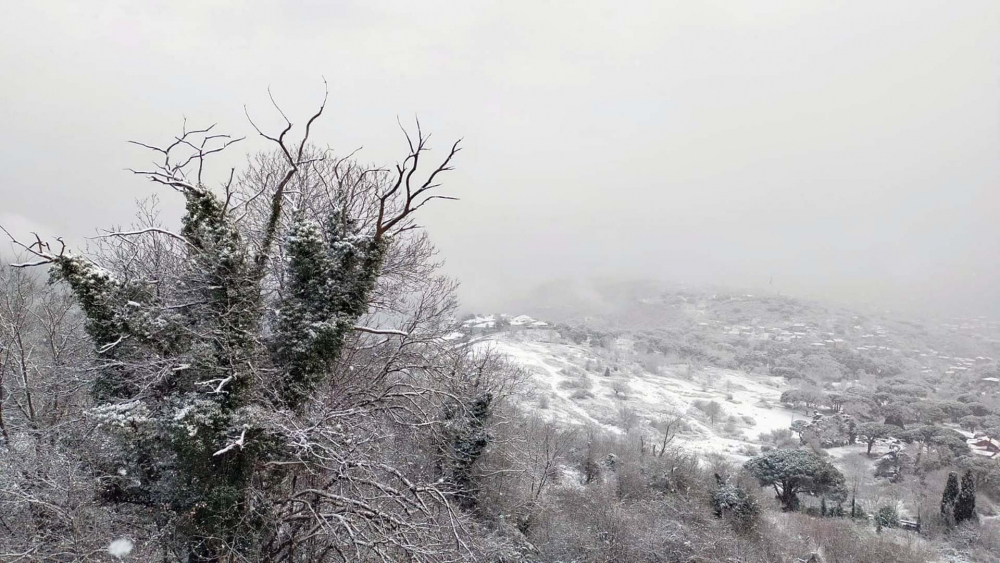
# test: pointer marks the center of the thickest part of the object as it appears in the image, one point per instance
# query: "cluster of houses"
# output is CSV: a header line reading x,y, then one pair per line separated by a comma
x,y
980,328
479,324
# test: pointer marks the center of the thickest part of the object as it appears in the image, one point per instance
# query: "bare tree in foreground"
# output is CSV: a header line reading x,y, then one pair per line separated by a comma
x,y
253,367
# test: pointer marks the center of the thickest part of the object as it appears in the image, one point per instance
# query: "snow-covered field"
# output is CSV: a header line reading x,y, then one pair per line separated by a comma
x,y
585,385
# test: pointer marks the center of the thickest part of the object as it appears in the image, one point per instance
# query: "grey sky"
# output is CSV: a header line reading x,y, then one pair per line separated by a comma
x,y
848,149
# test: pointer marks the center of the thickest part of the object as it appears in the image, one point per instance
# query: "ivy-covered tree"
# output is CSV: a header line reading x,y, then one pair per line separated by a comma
x,y
470,438
215,343
790,472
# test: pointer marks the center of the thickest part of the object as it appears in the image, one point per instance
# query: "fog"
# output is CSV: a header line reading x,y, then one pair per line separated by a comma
x,y
837,150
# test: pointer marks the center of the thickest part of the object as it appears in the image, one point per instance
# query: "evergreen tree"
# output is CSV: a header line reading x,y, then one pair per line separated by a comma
x,y
886,517
965,504
949,498
793,471
871,432
731,499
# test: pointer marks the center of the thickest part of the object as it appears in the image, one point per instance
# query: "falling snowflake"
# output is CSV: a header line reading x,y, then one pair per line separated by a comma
x,y
120,547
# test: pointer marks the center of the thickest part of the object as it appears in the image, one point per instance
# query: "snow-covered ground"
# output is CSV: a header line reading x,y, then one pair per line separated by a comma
x,y
584,385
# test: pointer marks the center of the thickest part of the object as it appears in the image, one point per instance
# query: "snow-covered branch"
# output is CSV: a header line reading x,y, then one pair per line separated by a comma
x,y
221,383
384,331
145,231
233,445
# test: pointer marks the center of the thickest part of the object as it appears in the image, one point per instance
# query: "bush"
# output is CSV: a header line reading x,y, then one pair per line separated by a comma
x,y
844,541
978,543
735,503
779,438
887,517
583,383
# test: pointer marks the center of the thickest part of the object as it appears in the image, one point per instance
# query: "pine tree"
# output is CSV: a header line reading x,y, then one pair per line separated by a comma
x,y
793,471
965,505
949,498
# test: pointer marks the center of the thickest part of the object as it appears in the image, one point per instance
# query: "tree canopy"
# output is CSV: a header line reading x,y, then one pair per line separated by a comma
x,y
793,471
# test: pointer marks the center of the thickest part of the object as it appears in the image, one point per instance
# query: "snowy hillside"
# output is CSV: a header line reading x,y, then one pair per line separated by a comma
x,y
580,384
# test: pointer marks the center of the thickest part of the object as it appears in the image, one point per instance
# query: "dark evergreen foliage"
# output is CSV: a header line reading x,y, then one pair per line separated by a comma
x,y
965,504
792,471
949,497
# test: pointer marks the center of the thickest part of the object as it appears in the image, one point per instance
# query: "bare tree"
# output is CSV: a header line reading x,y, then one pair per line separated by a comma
x,y
669,427
253,366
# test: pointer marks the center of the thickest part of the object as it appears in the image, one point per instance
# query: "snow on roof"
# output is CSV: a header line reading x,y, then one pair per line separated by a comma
x,y
983,445
480,322
521,320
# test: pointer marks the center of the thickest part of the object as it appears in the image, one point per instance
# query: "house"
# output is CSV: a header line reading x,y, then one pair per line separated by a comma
x,y
984,446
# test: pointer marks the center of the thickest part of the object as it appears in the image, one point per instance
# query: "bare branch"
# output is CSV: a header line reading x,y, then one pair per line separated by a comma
x,y
123,234
414,197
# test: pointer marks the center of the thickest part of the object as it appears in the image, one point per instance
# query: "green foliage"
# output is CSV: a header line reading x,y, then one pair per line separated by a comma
x,y
948,443
798,397
469,439
731,500
986,472
949,497
965,504
793,471
330,276
187,448
799,427
830,431
887,517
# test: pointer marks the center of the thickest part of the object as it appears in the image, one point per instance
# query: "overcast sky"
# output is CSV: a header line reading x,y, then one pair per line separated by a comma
x,y
848,150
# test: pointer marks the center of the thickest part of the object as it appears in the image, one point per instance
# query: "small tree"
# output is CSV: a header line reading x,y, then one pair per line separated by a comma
x,y
970,422
799,427
949,498
965,504
793,471
731,500
887,517
870,432
713,410
836,401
